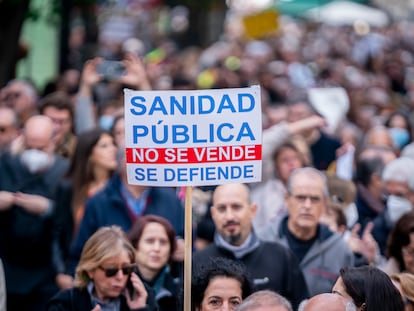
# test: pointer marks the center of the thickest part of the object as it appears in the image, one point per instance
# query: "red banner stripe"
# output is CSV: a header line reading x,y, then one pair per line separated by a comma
x,y
214,154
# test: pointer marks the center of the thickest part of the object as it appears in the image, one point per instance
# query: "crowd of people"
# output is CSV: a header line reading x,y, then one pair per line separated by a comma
x,y
75,235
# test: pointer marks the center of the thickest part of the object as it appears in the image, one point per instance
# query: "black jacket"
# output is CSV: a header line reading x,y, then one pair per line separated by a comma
x,y
168,296
26,238
76,299
271,266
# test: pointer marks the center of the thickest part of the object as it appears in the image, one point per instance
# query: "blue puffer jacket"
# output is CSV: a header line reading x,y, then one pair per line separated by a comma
x,y
108,207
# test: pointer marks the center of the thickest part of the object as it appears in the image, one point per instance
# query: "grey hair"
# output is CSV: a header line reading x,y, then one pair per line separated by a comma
x,y
309,171
349,306
27,88
264,298
408,151
400,170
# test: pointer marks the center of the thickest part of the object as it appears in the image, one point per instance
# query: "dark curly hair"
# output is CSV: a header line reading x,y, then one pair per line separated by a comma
x,y
217,267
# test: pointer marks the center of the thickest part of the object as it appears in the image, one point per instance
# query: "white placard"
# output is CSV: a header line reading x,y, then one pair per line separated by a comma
x,y
331,103
202,137
345,164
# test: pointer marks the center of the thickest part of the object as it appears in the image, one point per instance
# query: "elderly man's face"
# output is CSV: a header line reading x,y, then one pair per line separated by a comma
x,y
14,96
306,201
399,189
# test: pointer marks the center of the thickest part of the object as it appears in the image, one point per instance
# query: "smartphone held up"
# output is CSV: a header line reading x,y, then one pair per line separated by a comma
x,y
110,69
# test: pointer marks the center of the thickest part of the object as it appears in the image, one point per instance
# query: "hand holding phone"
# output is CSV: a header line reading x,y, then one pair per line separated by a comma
x,y
111,70
136,294
130,288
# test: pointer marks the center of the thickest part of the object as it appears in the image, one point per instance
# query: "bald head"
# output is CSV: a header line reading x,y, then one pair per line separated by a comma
x,y
328,302
38,133
232,212
265,300
242,189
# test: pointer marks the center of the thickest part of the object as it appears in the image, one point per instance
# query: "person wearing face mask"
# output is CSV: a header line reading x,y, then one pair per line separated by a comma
x,y
399,125
398,179
28,182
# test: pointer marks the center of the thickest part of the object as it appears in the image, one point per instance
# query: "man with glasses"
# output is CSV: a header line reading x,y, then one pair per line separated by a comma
x,y
321,253
271,265
21,96
58,108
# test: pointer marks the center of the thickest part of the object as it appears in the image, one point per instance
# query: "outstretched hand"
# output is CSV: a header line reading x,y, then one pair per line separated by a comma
x,y
364,245
136,75
90,77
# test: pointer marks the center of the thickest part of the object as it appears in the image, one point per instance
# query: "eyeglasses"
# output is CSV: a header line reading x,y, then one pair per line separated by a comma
x,y
407,251
60,121
302,198
13,95
126,270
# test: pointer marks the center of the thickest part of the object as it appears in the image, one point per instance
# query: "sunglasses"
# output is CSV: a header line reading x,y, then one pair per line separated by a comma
x,y
126,270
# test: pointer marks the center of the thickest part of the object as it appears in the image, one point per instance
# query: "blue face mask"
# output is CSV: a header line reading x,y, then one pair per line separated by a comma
x,y
106,121
400,137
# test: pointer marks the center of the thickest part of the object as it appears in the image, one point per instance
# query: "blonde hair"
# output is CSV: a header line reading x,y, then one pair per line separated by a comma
x,y
105,243
406,281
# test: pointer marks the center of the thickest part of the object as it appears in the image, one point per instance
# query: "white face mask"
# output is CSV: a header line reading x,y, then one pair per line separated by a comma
x,y
351,214
35,160
396,207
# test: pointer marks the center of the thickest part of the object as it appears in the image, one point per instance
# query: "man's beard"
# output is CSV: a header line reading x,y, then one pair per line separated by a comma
x,y
233,239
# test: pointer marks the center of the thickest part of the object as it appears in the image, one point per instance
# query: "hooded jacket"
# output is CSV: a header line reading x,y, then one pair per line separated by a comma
x,y
321,264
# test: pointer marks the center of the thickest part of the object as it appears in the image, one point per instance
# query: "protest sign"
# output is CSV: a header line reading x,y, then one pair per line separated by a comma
x,y
201,137
332,103
262,24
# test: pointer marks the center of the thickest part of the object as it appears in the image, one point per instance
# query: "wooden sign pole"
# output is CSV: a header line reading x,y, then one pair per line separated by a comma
x,y
188,231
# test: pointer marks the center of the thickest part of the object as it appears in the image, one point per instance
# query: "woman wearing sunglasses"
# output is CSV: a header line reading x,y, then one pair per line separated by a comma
x,y
104,277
